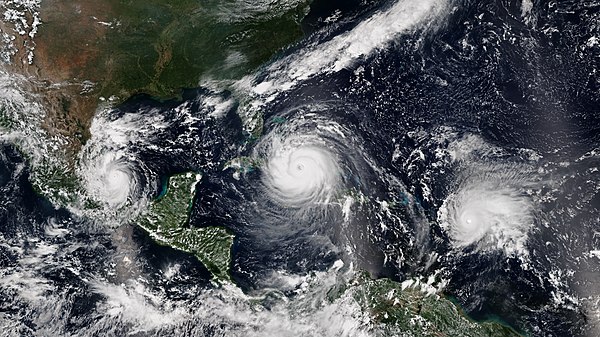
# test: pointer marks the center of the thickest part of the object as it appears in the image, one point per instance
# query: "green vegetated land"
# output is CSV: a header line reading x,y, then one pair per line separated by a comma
x,y
393,309
412,312
158,47
90,52
107,51
123,47
182,43
167,222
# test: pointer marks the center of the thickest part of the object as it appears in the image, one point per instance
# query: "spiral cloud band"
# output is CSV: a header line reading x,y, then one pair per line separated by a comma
x,y
112,181
307,160
489,215
300,173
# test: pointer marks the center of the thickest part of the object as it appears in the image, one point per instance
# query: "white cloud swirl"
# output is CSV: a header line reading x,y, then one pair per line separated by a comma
x,y
113,180
300,171
489,215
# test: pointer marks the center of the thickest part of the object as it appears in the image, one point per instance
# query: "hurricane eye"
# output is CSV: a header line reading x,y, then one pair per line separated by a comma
x,y
481,214
299,174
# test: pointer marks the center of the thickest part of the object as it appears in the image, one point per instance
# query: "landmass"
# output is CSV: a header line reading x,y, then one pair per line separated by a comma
x,y
393,308
167,222
74,58
78,55
405,309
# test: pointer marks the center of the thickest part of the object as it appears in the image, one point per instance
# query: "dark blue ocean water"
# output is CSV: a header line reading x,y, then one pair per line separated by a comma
x,y
483,71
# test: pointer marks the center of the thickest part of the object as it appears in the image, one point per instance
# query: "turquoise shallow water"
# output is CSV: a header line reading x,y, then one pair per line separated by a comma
x,y
484,107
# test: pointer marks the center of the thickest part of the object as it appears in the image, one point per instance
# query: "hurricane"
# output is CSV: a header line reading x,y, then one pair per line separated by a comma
x,y
299,173
304,181
491,206
110,169
114,180
488,214
307,168
306,161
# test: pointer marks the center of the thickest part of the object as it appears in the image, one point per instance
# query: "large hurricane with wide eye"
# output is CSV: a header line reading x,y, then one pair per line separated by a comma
x,y
301,172
309,161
